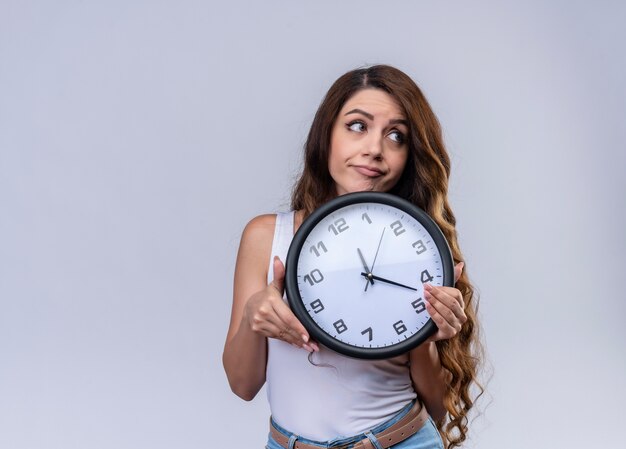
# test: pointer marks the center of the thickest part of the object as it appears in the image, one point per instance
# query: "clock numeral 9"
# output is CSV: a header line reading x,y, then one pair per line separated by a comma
x,y
340,326
419,305
338,226
419,247
319,245
399,327
367,218
397,228
369,333
314,277
426,277
317,306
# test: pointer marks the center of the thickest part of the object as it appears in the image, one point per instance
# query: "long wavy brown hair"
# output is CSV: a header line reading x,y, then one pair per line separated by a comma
x,y
424,182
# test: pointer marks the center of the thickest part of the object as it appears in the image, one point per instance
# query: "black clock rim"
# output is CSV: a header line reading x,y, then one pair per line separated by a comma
x,y
291,263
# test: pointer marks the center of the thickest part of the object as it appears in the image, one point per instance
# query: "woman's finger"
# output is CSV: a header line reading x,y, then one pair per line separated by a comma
x,y
290,322
278,330
444,311
444,329
446,317
458,269
276,320
450,297
278,282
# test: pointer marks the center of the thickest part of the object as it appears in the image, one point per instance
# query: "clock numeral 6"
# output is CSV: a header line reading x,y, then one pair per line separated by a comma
x,y
419,247
419,305
369,333
340,326
426,277
317,306
314,277
399,327
397,228
319,245
338,226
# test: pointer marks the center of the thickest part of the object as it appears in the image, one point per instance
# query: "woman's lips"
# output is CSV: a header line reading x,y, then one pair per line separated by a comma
x,y
372,172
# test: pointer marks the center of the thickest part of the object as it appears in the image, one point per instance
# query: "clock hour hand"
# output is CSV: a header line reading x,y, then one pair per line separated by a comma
x,y
369,273
378,278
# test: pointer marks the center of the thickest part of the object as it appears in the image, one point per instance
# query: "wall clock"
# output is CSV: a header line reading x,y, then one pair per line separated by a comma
x,y
355,272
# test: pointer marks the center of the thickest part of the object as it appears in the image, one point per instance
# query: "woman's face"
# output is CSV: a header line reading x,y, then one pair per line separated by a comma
x,y
368,144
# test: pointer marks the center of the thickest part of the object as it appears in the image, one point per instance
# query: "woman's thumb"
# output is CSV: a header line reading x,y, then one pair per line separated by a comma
x,y
279,275
458,269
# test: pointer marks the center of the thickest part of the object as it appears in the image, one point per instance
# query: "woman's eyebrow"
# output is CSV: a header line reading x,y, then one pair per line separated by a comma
x,y
360,111
397,121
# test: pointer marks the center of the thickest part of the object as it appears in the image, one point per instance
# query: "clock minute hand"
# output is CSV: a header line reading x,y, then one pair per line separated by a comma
x,y
378,278
369,273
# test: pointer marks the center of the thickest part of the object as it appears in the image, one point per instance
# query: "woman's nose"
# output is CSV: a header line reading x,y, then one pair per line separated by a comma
x,y
373,147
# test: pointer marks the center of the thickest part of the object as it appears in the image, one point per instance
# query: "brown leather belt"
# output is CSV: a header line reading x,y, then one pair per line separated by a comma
x,y
400,431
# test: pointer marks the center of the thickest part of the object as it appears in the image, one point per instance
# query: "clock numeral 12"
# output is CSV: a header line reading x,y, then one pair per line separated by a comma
x,y
338,226
419,247
397,228
399,327
315,277
319,245
317,306
369,333
340,326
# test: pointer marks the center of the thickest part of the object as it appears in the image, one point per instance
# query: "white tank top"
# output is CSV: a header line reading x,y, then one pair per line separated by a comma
x,y
341,396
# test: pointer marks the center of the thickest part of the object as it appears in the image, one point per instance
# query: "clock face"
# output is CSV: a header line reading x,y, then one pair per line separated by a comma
x,y
355,274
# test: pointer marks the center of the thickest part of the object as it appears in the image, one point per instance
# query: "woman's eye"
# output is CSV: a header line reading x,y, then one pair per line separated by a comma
x,y
358,127
397,136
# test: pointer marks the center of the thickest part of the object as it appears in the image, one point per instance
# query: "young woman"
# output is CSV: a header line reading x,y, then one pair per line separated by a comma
x,y
373,131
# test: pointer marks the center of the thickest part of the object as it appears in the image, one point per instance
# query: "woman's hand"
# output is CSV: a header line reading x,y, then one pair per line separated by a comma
x,y
446,307
267,314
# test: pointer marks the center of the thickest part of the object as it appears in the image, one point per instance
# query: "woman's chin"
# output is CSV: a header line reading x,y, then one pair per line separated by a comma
x,y
367,186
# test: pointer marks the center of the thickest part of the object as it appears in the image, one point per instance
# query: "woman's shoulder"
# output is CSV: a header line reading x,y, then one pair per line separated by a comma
x,y
262,225
259,232
261,222
260,229
256,245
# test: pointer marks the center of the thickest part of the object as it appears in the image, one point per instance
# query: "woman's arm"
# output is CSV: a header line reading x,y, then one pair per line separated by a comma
x,y
258,311
446,307
245,351
429,378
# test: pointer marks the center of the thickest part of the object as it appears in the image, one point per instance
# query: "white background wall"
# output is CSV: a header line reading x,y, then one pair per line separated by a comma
x,y
137,138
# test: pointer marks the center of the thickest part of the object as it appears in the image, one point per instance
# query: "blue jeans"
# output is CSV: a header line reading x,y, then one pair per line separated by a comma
x,y
425,438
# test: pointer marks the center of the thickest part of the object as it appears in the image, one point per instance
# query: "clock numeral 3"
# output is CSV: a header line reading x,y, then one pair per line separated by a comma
x,y
369,333
340,326
397,228
319,245
399,327
419,305
314,277
426,277
317,306
338,226
419,247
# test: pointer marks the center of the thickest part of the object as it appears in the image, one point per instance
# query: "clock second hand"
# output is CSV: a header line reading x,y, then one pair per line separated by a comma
x,y
375,257
378,278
